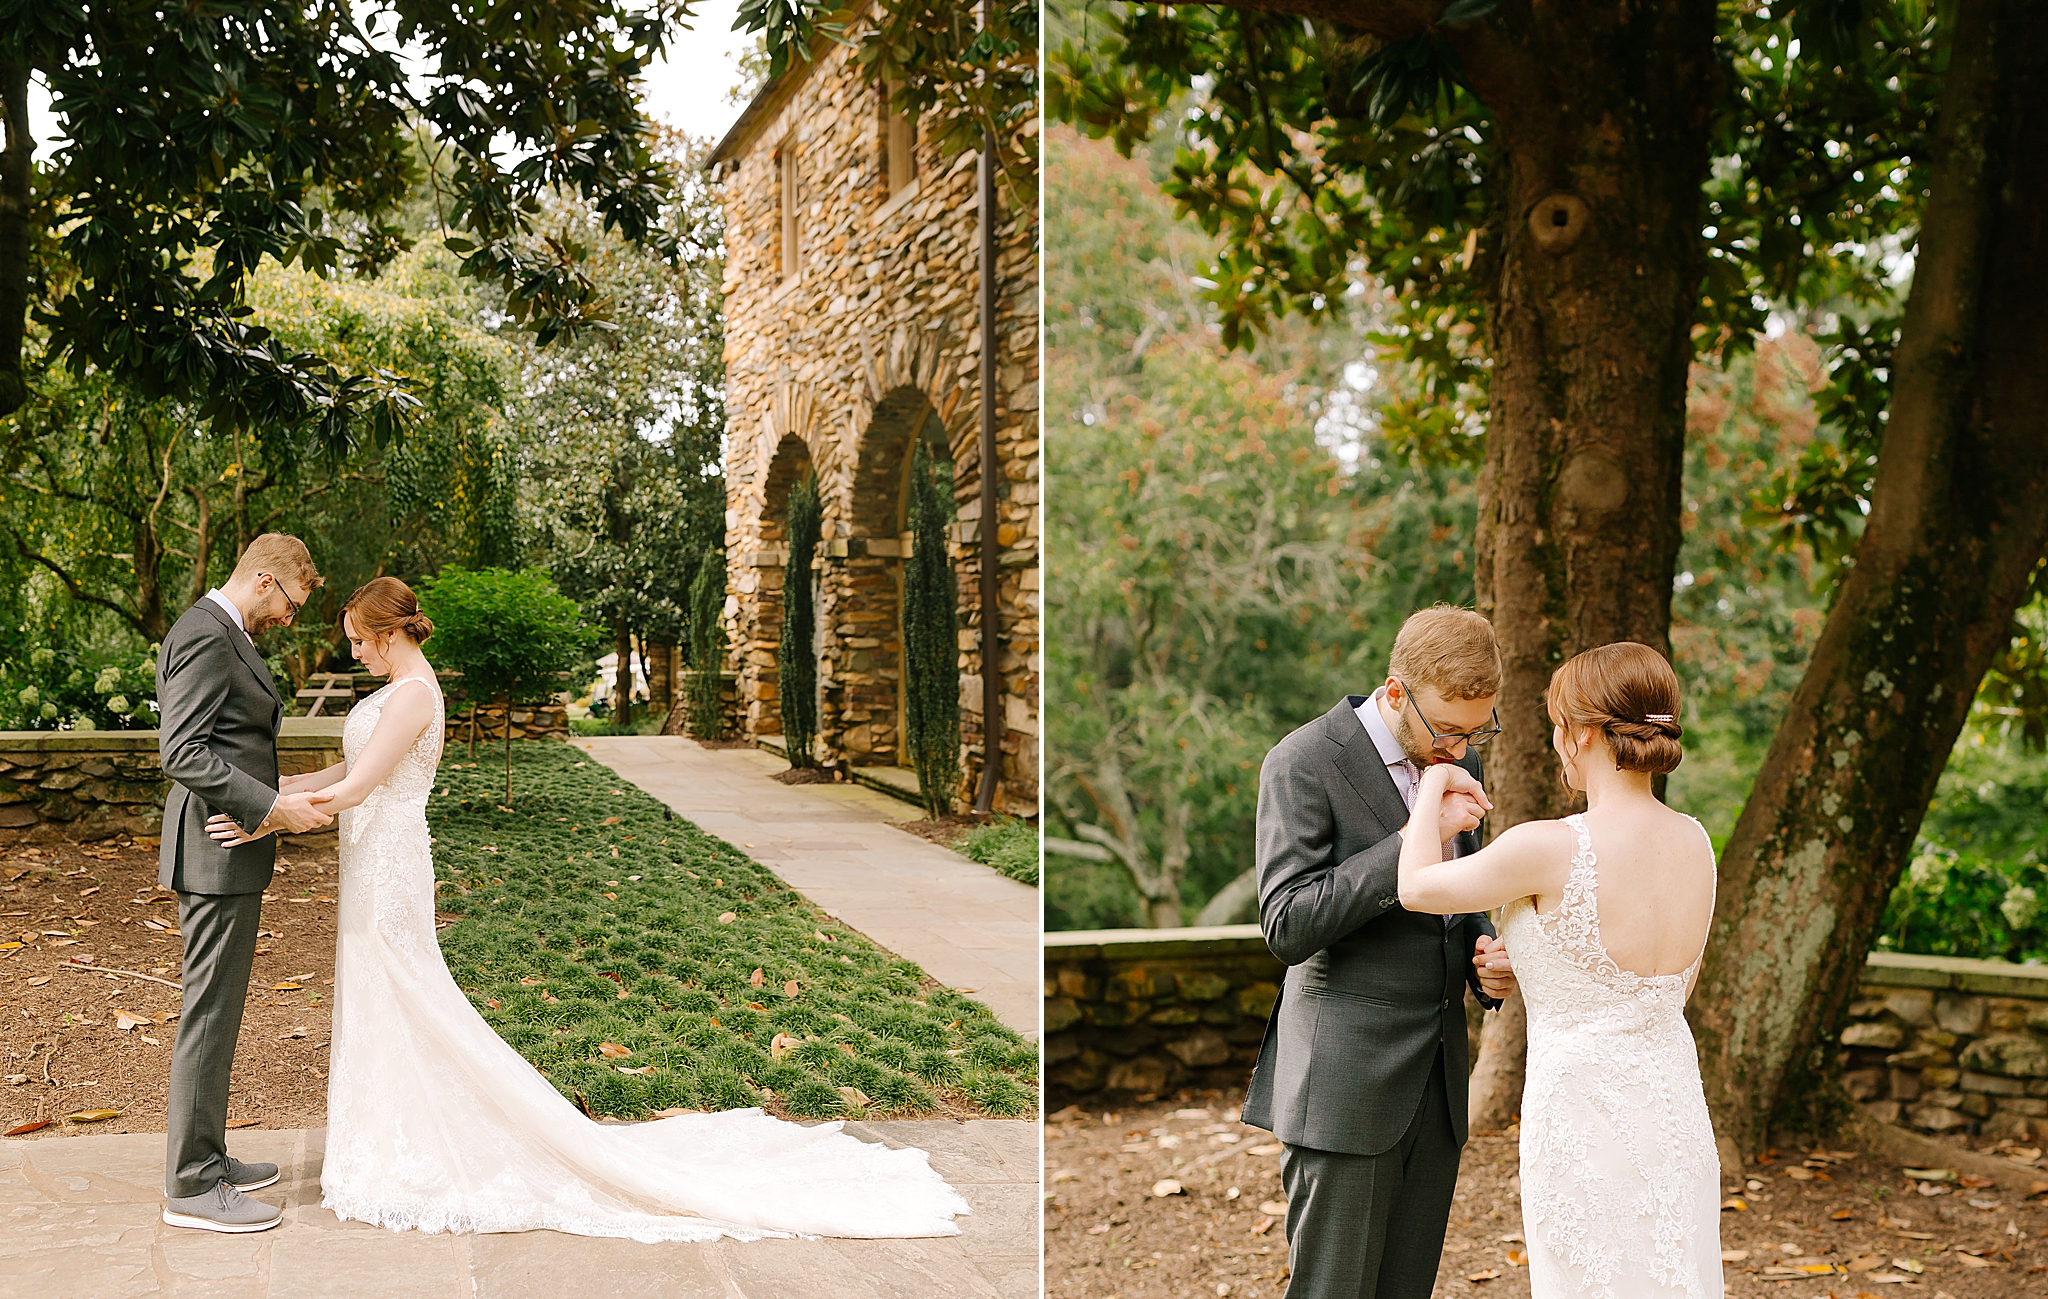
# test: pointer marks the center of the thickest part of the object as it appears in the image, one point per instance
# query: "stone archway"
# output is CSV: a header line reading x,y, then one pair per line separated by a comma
x,y
869,616
791,461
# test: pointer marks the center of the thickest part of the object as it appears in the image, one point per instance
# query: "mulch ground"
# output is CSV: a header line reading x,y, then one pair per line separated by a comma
x,y
1118,1227
98,906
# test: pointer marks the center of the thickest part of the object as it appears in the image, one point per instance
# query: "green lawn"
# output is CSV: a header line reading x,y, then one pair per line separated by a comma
x,y
588,917
1006,845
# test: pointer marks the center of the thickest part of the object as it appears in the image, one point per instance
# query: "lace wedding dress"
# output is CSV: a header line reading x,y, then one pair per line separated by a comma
x,y
1620,1179
435,1123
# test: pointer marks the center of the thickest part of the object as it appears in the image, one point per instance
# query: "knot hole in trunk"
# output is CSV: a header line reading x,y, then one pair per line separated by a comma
x,y
1557,221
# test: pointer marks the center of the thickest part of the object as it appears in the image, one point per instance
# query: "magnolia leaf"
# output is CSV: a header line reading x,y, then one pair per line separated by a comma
x,y
645,1068
756,977
614,1050
1165,1187
93,1116
854,1096
243,1123
728,917
23,1129
790,989
781,1045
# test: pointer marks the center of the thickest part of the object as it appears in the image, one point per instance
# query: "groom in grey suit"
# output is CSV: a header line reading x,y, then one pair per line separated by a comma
x,y
1362,1075
218,744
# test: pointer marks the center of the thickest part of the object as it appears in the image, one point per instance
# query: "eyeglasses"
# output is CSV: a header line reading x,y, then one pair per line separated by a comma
x,y
1448,739
294,614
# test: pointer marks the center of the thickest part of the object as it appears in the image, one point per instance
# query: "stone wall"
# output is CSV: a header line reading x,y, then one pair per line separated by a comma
x,y
1934,1043
529,722
838,367
1949,1045
87,785
1145,1011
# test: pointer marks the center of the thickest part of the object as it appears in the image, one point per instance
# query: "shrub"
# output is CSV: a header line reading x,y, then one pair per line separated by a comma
x,y
796,656
49,690
931,646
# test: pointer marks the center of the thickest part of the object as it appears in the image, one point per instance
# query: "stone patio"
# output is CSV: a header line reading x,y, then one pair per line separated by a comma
x,y
82,1222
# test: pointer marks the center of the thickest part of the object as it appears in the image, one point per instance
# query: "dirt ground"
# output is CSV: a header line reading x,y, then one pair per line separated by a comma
x,y
1117,1228
97,906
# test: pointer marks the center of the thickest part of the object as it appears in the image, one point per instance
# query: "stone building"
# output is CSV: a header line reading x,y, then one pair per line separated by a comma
x,y
852,328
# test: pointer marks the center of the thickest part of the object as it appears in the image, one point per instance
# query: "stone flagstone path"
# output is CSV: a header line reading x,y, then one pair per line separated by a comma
x,y
969,927
82,1221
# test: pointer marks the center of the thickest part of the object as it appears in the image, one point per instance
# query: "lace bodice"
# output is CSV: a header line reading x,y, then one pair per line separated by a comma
x,y
1620,1178
412,780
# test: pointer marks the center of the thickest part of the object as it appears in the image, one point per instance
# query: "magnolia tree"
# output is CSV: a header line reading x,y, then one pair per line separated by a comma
x,y
511,635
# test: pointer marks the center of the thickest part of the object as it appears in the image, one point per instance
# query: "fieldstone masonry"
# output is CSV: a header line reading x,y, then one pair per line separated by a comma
x,y
852,330
1935,1043
1947,1045
88,785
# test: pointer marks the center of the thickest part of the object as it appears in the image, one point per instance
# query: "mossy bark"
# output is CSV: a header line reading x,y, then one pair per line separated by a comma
x,y
1958,520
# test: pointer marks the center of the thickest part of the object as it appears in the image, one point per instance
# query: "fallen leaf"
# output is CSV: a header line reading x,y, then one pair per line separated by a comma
x,y
23,1129
1734,1255
846,1047
755,1005
1968,1260
287,986
1865,1263
1274,1207
780,1045
610,820
39,980
298,1031
152,1041
127,1019
531,982
1490,1274
1909,1265
1165,1187
1100,1228
1799,1174
550,997
1740,1206
854,1095
1972,1182
728,917
92,1116
1930,1174
1262,1226
645,1068
2037,1188
1842,1215
1516,1258
756,978
791,989
492,1003
243,1123
614,1050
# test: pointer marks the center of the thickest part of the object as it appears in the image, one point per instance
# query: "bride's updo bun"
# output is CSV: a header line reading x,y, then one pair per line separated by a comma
x,y
384,605
1629,693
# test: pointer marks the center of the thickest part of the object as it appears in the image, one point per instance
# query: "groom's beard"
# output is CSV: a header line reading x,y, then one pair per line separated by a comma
x,y
1415,741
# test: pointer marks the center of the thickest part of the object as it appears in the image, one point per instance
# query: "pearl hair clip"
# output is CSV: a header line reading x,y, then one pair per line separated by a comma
x,y
1656,717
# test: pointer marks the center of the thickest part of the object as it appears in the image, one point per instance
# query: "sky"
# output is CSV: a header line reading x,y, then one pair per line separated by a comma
x,y
687,90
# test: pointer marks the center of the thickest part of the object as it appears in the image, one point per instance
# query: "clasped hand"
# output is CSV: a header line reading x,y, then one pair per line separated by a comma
x,y
1496,969
296,812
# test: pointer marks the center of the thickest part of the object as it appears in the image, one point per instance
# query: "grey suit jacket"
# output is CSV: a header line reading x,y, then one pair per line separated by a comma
x,y
218,745
1372,989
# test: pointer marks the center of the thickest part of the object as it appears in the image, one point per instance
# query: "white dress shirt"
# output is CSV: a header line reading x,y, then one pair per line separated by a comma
x,y
1399,767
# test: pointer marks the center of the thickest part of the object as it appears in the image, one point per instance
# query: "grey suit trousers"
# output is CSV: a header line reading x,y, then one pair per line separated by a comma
x,y
220,948
1372,1226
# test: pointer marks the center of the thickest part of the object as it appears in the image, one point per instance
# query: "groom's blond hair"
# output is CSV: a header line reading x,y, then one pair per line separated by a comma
x,y
1448,649
281,555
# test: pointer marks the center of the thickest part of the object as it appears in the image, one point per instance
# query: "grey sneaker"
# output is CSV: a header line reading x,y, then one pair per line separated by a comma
x,y
221,1209
249,1177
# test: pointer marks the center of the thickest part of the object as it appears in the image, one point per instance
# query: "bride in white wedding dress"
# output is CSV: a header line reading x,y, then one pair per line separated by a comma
x,y
1606,915
435,1123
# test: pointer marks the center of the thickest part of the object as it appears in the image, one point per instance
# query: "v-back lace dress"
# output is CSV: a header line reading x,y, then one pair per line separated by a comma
x,y
1620,1179
435,1123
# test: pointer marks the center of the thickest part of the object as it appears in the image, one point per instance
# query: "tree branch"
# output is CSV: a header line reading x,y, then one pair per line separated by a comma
x,y
78,593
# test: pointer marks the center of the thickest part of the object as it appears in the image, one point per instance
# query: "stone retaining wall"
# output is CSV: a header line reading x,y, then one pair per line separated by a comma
x,y
529,722
87,785
1935,1043
1949,1045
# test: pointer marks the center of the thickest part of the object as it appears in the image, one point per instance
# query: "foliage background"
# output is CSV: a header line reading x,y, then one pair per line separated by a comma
x,y
1176,667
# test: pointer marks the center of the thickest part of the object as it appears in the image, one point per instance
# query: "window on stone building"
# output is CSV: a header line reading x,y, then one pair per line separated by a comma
x,y
789,181
899,143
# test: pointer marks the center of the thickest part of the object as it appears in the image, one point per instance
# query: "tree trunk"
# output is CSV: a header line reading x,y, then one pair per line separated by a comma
x,y
17,169
1601,117
1958,519
202,543
622,673
508,749
661,677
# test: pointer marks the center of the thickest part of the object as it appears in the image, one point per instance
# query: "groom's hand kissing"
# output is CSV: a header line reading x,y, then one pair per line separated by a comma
x,y
1496,969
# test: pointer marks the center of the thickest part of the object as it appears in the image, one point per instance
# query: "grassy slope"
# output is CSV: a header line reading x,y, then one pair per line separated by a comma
x,y
576,953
